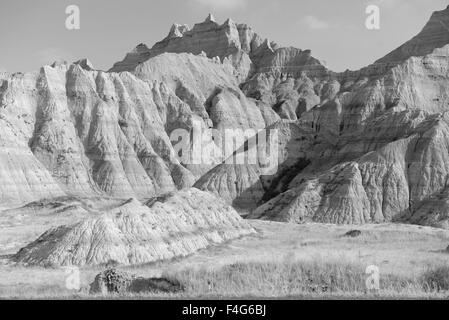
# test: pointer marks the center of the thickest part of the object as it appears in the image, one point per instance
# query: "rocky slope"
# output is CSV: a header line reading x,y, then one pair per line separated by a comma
x,y
75,130
175,225
354,147
79,131
81,127
231,43
435,34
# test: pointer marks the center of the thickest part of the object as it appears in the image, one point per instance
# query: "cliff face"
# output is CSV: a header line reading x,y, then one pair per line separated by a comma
x,y
229,41
79,131
380,174
354,147
435,34
85,130
232,43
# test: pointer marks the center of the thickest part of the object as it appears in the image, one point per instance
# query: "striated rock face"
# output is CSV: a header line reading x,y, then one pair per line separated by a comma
x,y
75,130
435,34
365,146
239,185
361,146
78,131
81,132
171,226
234,44
229,42
246,185
207,91
389,171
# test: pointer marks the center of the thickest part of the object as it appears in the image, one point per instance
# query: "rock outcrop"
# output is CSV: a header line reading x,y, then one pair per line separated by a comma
x,y
435,34
361,146
82,133
113,281
75,130
235,44
370,145
175,225
69,129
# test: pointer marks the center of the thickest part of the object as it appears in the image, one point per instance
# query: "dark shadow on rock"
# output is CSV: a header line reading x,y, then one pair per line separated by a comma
x,y
248,199
282,180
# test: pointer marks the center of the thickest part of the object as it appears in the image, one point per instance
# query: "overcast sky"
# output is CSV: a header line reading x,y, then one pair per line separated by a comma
x,y
33,33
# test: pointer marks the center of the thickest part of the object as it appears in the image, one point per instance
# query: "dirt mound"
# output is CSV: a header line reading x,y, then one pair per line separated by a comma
x,y
134,233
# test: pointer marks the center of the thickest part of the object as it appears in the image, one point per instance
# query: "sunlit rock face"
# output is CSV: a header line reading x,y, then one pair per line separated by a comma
x,y
231,43
87,132
81,131
381,174
172,226
371,145
360,146
435,34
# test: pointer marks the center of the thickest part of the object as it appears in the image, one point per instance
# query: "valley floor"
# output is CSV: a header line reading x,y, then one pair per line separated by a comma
x,y
282,260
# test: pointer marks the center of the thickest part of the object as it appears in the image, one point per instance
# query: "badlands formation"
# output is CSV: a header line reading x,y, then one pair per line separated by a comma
x,y
355,147
135,233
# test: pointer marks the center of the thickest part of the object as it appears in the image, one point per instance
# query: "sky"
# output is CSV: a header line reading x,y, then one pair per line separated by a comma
x,y
34,33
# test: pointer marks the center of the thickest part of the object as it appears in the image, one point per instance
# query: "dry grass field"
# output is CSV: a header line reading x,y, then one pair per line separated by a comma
x,y
281,261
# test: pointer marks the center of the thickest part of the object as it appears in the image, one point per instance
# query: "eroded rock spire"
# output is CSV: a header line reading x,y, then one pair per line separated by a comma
x,y
210,18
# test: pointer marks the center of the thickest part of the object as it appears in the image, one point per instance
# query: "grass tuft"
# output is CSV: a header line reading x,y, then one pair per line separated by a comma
x,y
436,278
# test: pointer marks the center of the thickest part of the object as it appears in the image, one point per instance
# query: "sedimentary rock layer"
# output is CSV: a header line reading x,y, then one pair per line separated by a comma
x,y
364,146
69,129
175,225
354,147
